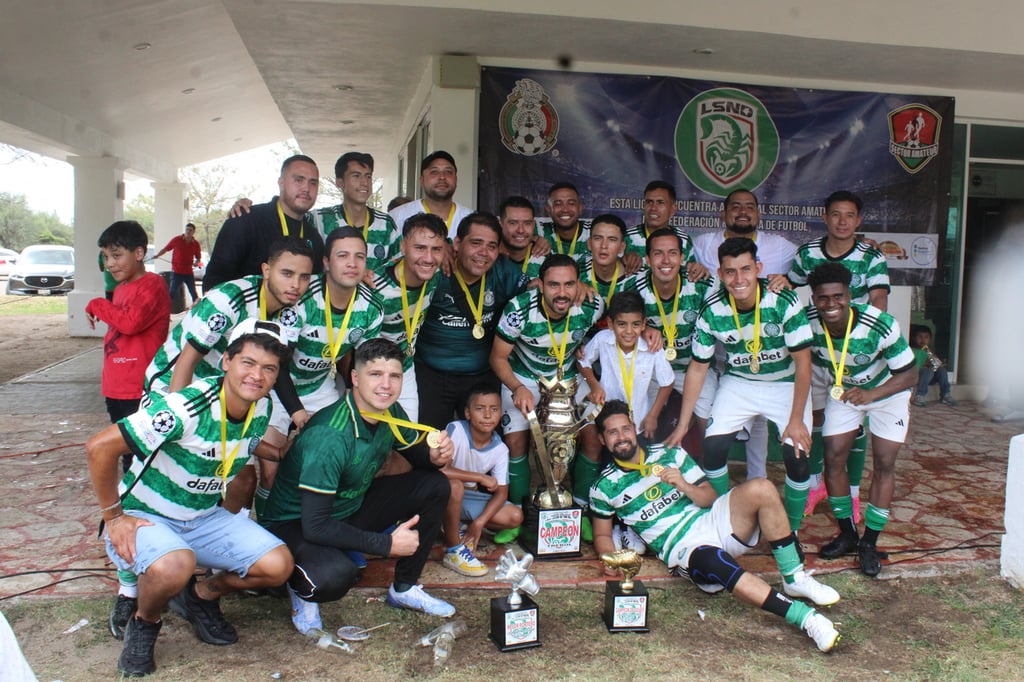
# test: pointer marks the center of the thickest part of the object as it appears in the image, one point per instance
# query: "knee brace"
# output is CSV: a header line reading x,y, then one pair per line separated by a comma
x,y
797,468
716,450
714,565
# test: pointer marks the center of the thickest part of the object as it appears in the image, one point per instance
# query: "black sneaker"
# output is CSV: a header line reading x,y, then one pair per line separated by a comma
x,y
844,543
124,609
205,616
137,655
870,561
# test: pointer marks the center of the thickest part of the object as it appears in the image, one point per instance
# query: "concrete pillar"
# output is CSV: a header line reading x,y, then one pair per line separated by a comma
x,y
99,201
168,214
454,110
1012,554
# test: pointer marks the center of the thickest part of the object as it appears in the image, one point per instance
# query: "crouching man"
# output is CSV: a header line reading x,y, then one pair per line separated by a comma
x,y
163,519
665,497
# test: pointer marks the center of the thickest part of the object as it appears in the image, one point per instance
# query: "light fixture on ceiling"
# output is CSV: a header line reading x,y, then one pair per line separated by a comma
x,y
141,47
704,51
188,91
237,139
215,119
347,122
343,87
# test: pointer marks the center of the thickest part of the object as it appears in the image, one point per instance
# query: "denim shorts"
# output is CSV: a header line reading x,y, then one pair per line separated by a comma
x,y
218,539
473,503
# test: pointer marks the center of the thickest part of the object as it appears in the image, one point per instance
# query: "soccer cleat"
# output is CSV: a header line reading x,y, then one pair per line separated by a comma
x,y
461,560
822,631
503,537
124,609
624,537
804,585
843,544
205,616
814,497
870,561
136,657
305,614
416,599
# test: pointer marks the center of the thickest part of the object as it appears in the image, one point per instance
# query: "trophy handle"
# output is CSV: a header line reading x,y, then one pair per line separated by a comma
x,y
545,459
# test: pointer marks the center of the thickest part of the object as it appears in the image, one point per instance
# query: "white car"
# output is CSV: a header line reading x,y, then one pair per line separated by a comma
x,y
7,260
43,269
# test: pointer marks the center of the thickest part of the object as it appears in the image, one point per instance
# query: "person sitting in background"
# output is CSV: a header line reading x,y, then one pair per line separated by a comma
x,y
930,368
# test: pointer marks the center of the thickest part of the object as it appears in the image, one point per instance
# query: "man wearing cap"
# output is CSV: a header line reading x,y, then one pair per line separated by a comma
x,y
165,517
439,178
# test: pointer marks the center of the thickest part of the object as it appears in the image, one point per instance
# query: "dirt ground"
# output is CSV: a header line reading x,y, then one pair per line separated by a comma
x,y
31,342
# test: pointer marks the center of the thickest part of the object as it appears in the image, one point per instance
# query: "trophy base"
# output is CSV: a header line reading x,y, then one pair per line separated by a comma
x,y
625,611
514,627
551,533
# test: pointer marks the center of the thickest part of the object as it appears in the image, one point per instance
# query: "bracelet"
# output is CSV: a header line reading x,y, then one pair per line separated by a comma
x,y
111,507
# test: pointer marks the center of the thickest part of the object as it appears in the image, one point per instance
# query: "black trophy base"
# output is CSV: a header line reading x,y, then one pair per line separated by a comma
x,y
551,533
514,627
625,612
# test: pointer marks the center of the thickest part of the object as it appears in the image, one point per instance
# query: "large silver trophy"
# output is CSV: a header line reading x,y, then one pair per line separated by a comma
x,y
552,526
515,619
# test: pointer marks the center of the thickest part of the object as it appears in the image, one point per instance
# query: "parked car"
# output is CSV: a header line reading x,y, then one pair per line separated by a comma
x,y
43,269
7,260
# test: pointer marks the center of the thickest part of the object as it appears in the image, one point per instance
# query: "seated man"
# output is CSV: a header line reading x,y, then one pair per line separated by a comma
x,y
664,496
164,519
328,497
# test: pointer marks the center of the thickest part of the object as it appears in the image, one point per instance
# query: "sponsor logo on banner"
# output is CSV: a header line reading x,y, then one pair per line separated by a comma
x,y
726,139
914,135
528,121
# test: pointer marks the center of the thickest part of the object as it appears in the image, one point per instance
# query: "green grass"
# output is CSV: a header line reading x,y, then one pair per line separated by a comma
x,y
33,305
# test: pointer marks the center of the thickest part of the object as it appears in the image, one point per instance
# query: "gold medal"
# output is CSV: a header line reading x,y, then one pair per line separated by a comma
x,y
755,366
334,372
656,469
670,353
410,351
434,439
478,331
837,392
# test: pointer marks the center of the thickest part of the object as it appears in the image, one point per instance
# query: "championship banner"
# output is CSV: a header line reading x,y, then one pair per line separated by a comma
x,y
612,134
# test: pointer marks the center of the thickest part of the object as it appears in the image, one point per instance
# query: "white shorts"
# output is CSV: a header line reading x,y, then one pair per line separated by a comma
x,y
512,420
410,398
713,528
890,417
326,394
738,401
821,384
707,392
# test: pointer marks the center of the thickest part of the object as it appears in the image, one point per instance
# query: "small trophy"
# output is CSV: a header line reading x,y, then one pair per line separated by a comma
x,y
552,526
625,601
515,619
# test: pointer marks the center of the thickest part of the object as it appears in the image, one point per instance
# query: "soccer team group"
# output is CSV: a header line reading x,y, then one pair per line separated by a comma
x,y
365,382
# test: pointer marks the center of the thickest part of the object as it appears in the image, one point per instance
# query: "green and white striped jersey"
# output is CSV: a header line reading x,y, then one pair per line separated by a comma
x,y
636,242
877,349
529,267
691,297
310,365
603,288
577,250
524,325
381,235
784,329
654,509
180,432
207,327
393,325
867,264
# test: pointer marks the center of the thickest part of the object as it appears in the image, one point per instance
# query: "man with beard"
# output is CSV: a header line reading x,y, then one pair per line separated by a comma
x,y
439,178
566,231
244,242
519,240
664,496
659,207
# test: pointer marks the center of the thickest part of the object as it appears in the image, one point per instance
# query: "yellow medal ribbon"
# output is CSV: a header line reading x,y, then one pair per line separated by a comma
x,y
753,346
669,325
478,309
366,227
395,422
261,296
611,287
572,247
410,322
838,367
332,345
526,261
627,377
559,353
227,459
448,220
641,466
284,222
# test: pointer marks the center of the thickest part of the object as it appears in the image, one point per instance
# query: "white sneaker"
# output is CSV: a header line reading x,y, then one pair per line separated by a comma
x,y
822,631
416,599
305,614
461,560
624,537
807,587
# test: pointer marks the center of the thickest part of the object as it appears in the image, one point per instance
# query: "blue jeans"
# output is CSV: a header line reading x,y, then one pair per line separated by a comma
x,y
188,280
928,376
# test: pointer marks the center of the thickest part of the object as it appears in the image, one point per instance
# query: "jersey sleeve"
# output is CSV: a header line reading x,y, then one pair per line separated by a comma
x,y
500,468
702,341
797,271
600,504
211,318
148,429
510,326
898,355
796,328
877,276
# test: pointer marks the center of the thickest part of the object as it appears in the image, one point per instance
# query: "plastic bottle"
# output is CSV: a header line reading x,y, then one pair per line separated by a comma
x,y
443,648
327,641
455,628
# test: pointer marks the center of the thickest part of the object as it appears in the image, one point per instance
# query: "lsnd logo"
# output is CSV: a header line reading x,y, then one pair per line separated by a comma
x,y
914,135
528,121
726,139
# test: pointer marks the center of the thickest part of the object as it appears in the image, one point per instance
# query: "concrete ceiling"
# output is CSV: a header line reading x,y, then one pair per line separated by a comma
x,y
222,76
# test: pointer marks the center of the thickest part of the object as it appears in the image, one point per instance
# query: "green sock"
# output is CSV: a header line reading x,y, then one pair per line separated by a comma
x,y
876,518
817,461
518,479
842,507
259,502
798,613
719,479
794,500
584,473
855,462
786,557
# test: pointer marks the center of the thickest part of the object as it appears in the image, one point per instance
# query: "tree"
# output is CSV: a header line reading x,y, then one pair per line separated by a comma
x,y
208,200
142,210
20,226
